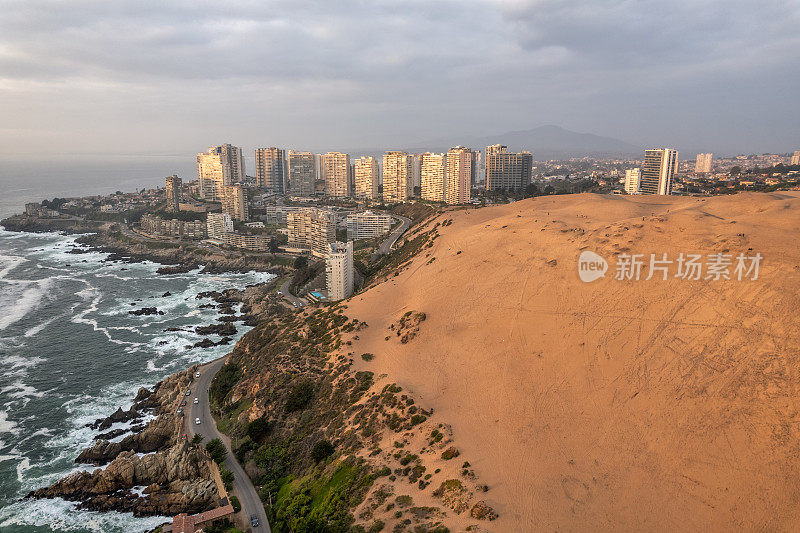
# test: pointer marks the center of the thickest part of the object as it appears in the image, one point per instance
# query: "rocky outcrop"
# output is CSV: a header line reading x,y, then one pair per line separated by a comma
x,y
224,329
146,311
157,435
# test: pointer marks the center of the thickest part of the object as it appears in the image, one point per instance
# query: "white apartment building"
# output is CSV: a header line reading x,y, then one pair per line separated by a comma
x,y
217,167
218,224
339,270
397,184
311,229
703,164
632,179
795,158
432,176
658,171
367,178
458,175
367,225
336,174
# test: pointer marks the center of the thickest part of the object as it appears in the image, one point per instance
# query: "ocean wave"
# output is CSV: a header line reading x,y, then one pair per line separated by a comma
x,y
6,425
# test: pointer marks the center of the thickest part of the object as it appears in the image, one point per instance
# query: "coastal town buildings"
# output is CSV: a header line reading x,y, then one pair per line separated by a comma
x,y
367,225
302,173
507,170
235,202
271,169
336,174
218,224
311,229
397,184
658,171
632,180
173,189
458,175
339,270
154,225
432,170
703,163
366,171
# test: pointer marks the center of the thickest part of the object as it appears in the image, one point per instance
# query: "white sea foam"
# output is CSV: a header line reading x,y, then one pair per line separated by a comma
x,y
18,298
6,425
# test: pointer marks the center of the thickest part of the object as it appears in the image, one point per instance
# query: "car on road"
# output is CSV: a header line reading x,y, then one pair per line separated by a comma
x,y
196,401
197,374
180,410
254,520
197,421
183,403
188,392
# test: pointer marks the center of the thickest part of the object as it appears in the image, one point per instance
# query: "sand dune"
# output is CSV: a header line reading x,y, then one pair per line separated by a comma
x,y
613,405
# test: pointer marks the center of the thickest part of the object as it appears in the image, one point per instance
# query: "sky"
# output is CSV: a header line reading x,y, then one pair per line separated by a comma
x,y
173,77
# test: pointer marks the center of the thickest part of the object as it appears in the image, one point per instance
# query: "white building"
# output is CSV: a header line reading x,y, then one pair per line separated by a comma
x,y
367,225
703,164
218,224
458,175
311,229
658,171
217,167
632,179
795,158
432,168
367,178
339,270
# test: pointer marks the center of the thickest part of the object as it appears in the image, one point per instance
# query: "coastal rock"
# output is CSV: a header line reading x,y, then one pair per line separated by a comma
x,y
225,329
146,311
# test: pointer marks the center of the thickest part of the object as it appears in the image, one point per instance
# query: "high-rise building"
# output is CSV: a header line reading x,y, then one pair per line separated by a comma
x,y
173,193
632,180
311,229
432,171
270,169
302,173
367,178
458,175
367,225
218,224
416,171
397,184
235,202
658,171
217,167
507,170
703,164
336,174
795,158
339,270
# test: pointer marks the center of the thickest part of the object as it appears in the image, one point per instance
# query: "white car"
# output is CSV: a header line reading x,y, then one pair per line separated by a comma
x,y
197,374
196,400
197,421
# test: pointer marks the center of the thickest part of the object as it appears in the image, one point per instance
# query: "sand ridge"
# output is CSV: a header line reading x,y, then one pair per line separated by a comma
x,y
612,405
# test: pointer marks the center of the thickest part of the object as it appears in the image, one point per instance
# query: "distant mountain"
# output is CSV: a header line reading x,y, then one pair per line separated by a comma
x,y
546,142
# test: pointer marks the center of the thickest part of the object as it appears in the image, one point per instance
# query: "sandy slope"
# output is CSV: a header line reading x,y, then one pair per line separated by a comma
x,y
616,405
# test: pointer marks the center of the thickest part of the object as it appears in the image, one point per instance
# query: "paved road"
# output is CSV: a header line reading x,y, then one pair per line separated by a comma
x,y
248,496
284,291
389,242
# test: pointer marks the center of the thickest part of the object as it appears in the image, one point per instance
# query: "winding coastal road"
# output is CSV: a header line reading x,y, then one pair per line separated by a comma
x,y
389,242
248,495
286,293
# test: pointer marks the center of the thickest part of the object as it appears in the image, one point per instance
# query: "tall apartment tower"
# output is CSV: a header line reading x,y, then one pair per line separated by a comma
x,y
173,193
658,170
632,180
339,270
302,173
432,171
217,167
336,173
795,158
397,184
367,178
458,175
234,202
270,169
703,164
311,229
507,170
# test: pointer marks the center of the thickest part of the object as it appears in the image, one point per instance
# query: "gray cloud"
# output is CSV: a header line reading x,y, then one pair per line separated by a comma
x,y
91,75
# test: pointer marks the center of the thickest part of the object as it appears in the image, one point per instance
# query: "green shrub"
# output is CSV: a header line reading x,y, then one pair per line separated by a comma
x,y
227,478
322,450
259,428
216,449
300,396
237,506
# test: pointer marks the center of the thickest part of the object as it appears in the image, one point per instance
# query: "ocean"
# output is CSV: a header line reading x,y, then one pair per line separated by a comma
x,y
69,350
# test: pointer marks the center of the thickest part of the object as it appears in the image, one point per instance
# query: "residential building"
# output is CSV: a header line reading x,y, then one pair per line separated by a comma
x,y
367,178
632,180
458,175
276,214
174,184
302,173
336,174
339,270
235,202
271,169
311,229
153,225
703,164
217,167
246,241
658,171
795,158
217,224
432,174
397,184
507,170
367,225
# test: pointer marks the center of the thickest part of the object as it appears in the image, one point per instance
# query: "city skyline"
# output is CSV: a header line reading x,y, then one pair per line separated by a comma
x,y
110,79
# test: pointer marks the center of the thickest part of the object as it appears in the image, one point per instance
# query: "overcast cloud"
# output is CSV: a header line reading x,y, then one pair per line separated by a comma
x,y
167,77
